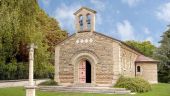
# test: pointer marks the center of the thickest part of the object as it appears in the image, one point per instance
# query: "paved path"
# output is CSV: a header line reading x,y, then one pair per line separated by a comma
x,y
16,83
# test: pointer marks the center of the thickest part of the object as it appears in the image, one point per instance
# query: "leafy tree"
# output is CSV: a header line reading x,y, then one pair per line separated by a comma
x,y
163,55
23,22
145,47
53,33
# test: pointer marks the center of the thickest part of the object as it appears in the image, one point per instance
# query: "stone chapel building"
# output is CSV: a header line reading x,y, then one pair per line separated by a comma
x,y
94,58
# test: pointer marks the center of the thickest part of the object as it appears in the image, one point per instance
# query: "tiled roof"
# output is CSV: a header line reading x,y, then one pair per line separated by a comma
x,y
142,58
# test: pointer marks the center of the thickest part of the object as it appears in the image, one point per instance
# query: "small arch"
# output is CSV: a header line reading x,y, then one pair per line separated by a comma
x,y
138,69
88,20
81,22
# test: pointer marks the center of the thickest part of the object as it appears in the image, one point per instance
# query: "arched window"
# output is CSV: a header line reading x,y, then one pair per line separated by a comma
x,y
88,21
138,69
81,22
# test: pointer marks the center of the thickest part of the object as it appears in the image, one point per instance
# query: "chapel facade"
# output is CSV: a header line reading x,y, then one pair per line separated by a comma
x,y
89,57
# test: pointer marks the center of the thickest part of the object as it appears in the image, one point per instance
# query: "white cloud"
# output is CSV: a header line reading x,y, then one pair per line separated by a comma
x,y
131,3
146,30
163,12
125,30
64,14
98,4
46,2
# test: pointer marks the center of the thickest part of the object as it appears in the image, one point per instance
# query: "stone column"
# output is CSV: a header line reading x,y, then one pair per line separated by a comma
x,y
30,88
57,55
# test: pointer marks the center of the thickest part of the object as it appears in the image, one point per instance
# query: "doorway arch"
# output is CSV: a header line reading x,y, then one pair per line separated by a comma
x,y
91,58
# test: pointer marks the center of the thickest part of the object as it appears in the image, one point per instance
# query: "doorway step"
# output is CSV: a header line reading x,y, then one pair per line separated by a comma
x,y
83,85
101,90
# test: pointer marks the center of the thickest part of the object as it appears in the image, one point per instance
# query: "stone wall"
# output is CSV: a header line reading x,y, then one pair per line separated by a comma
x,y
99,45
128,57
148,72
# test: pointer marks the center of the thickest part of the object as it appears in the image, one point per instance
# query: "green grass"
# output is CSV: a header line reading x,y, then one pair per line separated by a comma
x,y
157,90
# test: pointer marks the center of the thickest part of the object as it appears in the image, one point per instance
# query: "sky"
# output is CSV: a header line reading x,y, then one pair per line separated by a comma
x,y
140,20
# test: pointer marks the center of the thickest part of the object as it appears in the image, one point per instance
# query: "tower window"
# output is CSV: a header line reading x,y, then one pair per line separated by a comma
x,y
88,21
81,22
138,69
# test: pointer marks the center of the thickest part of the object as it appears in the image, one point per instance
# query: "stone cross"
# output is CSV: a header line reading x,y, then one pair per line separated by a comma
x,y
30,89
31,64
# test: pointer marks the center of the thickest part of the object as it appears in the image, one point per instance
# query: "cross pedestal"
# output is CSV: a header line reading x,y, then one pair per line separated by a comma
x,y
30,90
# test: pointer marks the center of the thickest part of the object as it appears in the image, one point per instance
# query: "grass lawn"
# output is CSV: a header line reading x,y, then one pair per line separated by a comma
x,y
157,90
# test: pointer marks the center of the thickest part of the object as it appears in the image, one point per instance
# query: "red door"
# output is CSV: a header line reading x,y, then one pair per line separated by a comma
x,y
82,71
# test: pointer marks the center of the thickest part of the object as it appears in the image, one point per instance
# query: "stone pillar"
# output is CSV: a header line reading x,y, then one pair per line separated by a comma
x,y
57,54
30,88
116,62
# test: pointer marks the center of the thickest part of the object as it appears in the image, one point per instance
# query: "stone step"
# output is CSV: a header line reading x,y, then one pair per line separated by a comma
x,y
83,85
85,89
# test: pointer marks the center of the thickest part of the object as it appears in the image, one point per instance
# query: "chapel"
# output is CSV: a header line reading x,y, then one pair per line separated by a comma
x,y
90,57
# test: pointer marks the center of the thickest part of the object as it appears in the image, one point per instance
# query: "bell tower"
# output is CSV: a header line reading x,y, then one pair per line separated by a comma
x,y
85,20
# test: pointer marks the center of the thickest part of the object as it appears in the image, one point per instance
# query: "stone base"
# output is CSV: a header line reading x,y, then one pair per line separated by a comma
x,y
30,90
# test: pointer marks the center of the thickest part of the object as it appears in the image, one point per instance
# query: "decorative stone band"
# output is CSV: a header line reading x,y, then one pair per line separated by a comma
x,y
90,40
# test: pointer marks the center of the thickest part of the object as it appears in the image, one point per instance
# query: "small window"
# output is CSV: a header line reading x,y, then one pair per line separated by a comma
x,y
138,69
81,22
88,21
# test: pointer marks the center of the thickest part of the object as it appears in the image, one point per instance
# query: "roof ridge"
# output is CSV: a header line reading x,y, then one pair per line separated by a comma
x,y
122,42
83,7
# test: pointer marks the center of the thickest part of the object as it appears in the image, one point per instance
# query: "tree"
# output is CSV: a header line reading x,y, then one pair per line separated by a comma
x,y
163,55
23,22
145,47
53,33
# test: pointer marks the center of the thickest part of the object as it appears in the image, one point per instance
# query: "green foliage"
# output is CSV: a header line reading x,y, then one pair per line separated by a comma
x,y
49,83
22,22
13,70
145,47
133,84
51,29
163,55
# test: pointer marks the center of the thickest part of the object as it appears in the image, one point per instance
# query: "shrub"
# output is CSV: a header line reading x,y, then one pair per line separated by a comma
x,y
133,84
49,83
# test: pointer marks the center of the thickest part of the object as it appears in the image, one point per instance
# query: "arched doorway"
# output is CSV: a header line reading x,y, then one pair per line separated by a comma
x,y
84,71
84,56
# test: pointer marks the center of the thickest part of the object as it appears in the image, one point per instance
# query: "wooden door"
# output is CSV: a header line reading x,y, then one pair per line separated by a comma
x,y
82,72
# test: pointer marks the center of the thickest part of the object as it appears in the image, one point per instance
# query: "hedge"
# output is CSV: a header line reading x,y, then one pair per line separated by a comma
x,y
134,84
